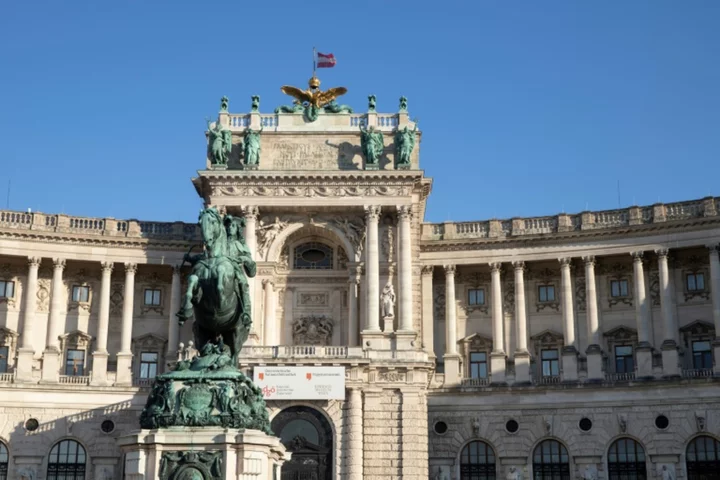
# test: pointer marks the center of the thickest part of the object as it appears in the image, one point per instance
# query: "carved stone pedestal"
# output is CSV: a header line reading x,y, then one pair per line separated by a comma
x,y
643,355
388,324
498,367
594,363
522,368
671,366
569,364
24,368
211,453
405,340
374,340
51,366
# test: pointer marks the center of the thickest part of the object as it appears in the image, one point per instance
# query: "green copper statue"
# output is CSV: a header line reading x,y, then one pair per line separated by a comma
x,y
255,105
403,104
371,103
372,144
404,144
209,390
296,107
220,143
251,147
224,104
334,107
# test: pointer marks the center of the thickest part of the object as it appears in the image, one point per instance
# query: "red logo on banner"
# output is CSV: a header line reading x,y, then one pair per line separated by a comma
x,y
308,376
267,392
261,376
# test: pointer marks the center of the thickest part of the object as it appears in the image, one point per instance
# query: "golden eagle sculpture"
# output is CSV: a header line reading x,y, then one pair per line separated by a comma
x,y
313,99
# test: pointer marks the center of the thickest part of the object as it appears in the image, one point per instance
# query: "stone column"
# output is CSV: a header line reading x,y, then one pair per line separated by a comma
x,y
25,353
353,327
522,356
52,354
569,352
354,459
269,333
643,351
594,350
451,357
371,332
100,355
715,292
428,323
669,348
251,215
406,333
173,324
498,359
124,356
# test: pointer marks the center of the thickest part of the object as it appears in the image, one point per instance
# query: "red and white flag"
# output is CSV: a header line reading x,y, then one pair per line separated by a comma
x,y
324,60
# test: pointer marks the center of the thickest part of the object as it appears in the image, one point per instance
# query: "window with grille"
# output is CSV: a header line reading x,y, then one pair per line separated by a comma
x,y
153,297
624,362
546,293
477,462
478,365
7,288
313,256
67,461
619,288
80,293
626,460
75,363
551,461
702,355
550,363
703,458
476,296
695,282
148,365
4,460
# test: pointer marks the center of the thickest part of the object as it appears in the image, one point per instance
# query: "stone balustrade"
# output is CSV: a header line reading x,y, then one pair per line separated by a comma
x,y
108,227
338,122
658,213
300,351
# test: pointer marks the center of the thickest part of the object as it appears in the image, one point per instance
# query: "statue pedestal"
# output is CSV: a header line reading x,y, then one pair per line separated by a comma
x,y
213,453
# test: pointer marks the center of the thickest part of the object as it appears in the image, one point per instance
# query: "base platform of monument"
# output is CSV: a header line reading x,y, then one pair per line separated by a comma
x,y
202,453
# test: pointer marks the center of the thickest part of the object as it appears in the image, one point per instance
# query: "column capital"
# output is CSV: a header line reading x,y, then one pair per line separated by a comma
x,y
250,212
589,260
268,281
107,267
59,264
372,212
495,267
34,261
131,268
427,270
662,252
713,248
565,262
449,270
176,269
637,256
404,212
518,265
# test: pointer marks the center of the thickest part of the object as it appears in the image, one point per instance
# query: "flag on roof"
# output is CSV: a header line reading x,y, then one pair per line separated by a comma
x,y
324,60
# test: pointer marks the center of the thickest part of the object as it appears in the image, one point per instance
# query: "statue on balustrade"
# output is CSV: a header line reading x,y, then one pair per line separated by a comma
x,y
251,147
209,389
372,144
334,107
404,145
224,102
220,143
403,104
255,105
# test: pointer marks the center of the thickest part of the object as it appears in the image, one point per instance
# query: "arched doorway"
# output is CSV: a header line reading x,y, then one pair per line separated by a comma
x,y
308,435
703,459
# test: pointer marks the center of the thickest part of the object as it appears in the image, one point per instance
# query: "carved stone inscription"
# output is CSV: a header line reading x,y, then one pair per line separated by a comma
x,y
311,156
313,299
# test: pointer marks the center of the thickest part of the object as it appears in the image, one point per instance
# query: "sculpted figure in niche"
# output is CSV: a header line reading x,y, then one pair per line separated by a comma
x,y
590,473
220,143
372,144
514,473
388,301
251,146
666,473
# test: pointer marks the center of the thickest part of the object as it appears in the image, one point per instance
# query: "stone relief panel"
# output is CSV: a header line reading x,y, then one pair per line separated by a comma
x,y
312,299
117,293
43,295
312,330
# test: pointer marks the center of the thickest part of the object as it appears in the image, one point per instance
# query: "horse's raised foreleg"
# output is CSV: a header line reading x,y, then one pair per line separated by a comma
x,y
186,310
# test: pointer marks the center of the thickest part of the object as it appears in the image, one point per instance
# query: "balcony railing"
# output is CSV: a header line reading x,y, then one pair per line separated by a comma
x,y
475,382
7,377
549,379
300,351
75,379
697,373
620,377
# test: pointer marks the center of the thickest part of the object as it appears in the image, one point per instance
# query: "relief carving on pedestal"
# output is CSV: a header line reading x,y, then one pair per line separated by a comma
x,y
312,330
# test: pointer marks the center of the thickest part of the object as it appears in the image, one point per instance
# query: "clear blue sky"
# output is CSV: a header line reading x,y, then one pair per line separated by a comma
x,y
527,107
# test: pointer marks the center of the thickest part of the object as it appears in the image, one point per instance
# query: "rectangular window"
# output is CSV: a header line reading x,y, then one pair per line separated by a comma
x,y
478,365
75,363
476,296
695,282
152,297
148,365
4,353
80,293
702,355
7,288
618,288
546,293
550,363
624,362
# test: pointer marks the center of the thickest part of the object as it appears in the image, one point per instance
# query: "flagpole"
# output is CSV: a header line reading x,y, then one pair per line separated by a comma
x,y
314,61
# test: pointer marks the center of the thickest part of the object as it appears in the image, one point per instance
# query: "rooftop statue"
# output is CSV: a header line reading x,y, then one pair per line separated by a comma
x,y
251,146
255,105
404,145
334,107
371,103
312,100
372,143
209,390
220,143
224,103
403,104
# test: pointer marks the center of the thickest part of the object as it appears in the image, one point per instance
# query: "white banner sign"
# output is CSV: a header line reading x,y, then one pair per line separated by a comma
x,y
301,383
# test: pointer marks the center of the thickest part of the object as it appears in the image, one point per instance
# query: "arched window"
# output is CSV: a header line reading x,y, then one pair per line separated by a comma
x,y
477,462
313,256
3,461
703,459
551,461
626,460
67,461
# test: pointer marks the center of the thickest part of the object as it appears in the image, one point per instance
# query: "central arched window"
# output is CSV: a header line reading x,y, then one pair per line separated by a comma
x,y
626,460
313,256
703,459
67,461
477,462
551,461
4,457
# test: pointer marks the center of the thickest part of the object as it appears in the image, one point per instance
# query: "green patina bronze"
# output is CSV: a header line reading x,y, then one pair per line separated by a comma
x,y
403,104
191,465
404,145
372,144
371,103
255,105
251,146
334,107
224,101
296,107
209,390
220,143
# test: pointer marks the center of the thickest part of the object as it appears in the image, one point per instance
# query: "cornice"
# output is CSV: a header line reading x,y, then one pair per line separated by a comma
x,y
144,244
313,176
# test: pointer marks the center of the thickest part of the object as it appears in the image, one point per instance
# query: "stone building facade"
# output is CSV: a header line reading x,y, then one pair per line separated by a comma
x,y
571,346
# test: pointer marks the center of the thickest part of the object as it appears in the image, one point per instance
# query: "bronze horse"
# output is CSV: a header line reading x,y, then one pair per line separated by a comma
x,y
217,287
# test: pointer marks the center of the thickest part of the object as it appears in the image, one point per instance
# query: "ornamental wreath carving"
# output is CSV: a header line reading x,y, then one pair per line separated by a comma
x,y
312,330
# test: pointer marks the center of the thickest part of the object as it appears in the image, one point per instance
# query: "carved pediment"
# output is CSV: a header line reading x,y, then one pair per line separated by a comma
x,y
548,337
75,340
698,327
8,337
312,330
477,343
622,334
149,342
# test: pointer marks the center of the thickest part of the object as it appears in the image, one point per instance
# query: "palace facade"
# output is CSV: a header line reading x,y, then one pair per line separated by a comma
x,y
569,346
